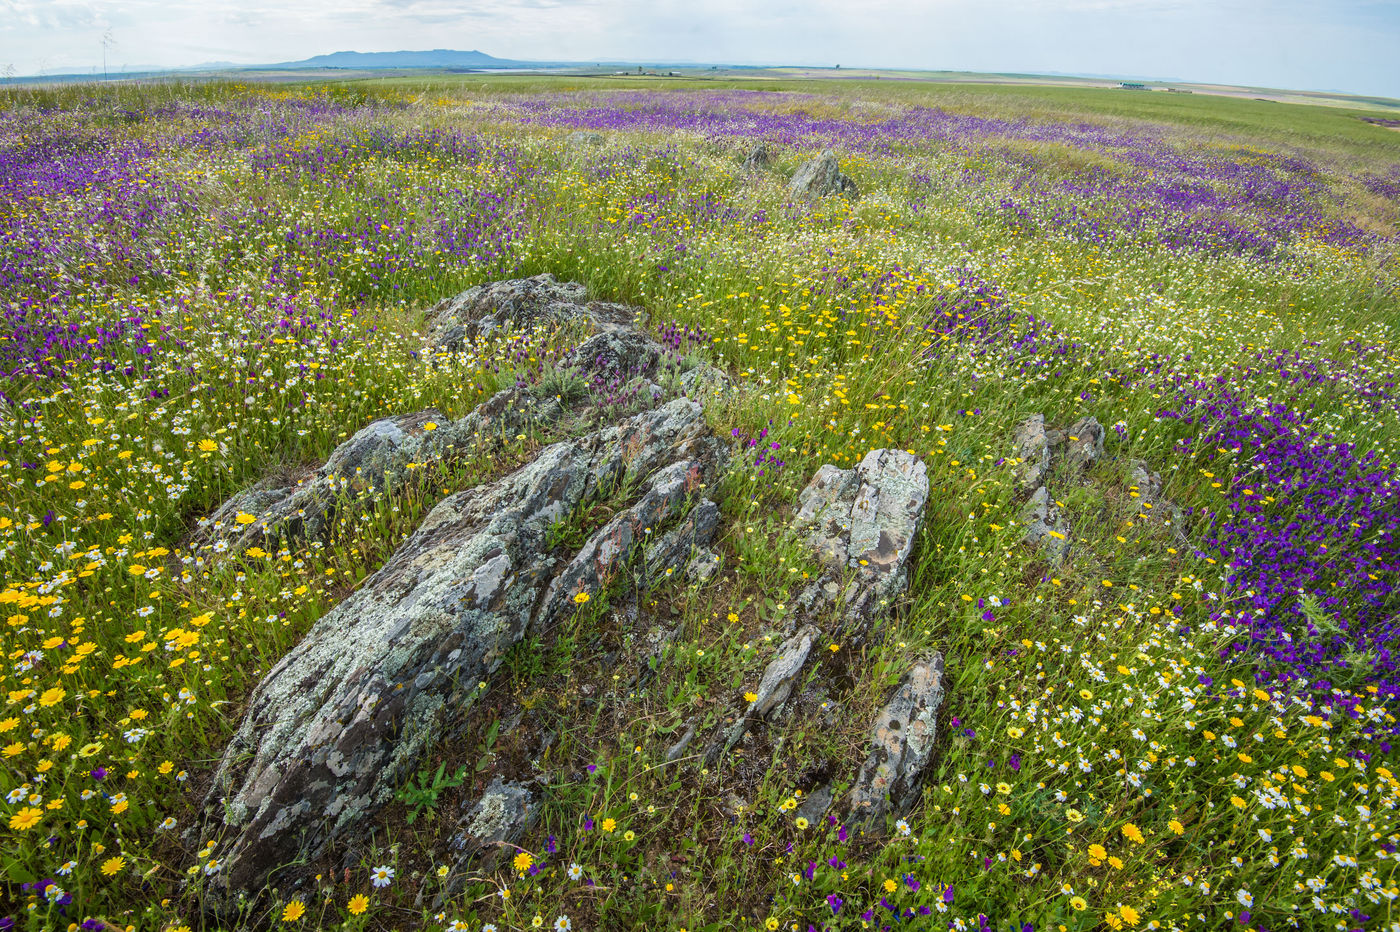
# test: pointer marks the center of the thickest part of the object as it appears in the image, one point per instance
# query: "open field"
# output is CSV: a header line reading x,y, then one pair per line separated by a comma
x,y
1185,722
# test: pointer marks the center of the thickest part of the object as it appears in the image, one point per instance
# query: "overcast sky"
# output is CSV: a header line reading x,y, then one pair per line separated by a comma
x,y
1347,45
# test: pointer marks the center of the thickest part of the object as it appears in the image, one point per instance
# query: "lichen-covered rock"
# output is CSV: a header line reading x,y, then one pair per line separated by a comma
x,y
862,523
519,304
782,671
901,743
1084,444
1147,487
377,454
759,158
582,137
1046,525
342,719
1034,451
820,177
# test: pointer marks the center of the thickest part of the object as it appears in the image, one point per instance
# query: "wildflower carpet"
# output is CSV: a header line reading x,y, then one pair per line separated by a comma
x,y
1118,652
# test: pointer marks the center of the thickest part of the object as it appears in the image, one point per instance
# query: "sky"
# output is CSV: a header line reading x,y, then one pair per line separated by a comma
x,y
1337,45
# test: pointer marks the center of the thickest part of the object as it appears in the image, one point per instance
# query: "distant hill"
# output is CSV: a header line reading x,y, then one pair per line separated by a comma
x,y
437,58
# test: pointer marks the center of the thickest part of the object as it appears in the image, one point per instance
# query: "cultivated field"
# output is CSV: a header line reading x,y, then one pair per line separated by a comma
x,y
1174,710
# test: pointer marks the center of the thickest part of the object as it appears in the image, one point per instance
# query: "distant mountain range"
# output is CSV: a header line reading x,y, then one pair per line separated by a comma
x,y
437,58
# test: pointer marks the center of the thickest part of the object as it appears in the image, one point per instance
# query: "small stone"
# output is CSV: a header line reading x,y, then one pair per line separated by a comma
x,y
820,177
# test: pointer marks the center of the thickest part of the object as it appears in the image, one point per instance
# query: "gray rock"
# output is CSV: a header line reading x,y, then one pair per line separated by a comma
x,y
674,752
518,304
1084,444
1034,450
862,523
344,717
901,743
503,813
816,803
703,566
782,672
1149,488
759,158
820,177
375,456
581,137
1046,525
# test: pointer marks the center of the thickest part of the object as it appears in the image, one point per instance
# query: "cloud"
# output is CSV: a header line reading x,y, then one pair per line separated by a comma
x,y
49,14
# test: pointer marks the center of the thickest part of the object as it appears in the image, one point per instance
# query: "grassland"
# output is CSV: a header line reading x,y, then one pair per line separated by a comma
x,y
206,284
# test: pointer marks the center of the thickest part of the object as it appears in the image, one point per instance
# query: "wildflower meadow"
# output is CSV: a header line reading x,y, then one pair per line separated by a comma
x,y
1187,721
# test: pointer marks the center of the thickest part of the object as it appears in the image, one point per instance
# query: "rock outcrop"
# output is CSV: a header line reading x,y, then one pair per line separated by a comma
x,y
1038,450
520,304
822,176
759,158
861,523
341,720
901,744
339,723
617,363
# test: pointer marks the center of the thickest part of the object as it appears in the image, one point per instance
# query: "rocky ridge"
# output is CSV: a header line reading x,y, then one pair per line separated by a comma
x,y
344,718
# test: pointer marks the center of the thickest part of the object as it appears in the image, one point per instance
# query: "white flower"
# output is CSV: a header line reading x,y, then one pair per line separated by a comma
x,y
902,827
1245,897
562,924
382,876
575,871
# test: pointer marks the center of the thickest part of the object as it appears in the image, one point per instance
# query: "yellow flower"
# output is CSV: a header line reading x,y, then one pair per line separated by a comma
x,y
244,518
1176,827
1079,903
890,885
801,823
1130,915
14,750
51,696
358,904
1133,834
1014,732
581,598
208,446
293,911
609,825
1074,815
771,924
522,861
1098,852
113,866
136,569
431,425
25,819
750,697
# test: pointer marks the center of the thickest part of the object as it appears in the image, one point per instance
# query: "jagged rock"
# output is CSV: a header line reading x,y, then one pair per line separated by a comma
x,y
1034,450
1084,444
822,176
617,362
342,719
674,752
901,742
1046,524
862,522
520,304
781,673
1148,486
378,454
501,816
759,158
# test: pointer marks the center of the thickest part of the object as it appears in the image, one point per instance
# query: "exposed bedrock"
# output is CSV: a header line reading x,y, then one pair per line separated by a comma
x,y
616,360
822,176
343,718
